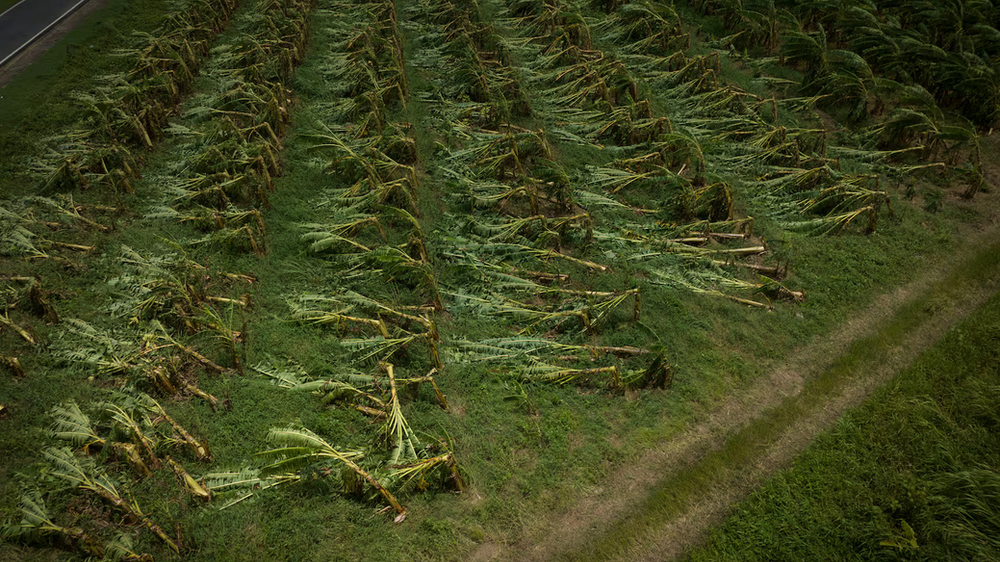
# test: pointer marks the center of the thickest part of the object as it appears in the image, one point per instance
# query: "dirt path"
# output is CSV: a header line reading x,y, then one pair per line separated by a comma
x,y
568,531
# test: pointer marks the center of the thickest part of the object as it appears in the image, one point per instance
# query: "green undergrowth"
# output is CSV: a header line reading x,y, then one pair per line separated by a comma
x,y
912,474
526,448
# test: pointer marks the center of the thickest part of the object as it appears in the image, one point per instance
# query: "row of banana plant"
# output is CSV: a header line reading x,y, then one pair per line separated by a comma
x,y
167,304
128,432
170,315
131,110
164,306
127,111
595,100
514,213
167,297
370,231
168,307
233,135
925,72
718,131
957,44
29,296
371,224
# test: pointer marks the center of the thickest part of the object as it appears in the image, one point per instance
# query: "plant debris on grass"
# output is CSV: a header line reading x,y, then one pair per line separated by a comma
x,y
315,249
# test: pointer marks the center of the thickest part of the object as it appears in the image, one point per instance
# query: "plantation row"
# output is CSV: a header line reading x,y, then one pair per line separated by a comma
x,y
556,166
131,110
371,233
165,300
519,211
926,72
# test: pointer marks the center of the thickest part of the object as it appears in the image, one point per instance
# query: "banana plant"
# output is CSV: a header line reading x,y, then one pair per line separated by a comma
x,y
644,27
36,523
525,347
223,329
533,359
27,294
301,448
406,328
85,476
355,388
142,358
589,314
18,239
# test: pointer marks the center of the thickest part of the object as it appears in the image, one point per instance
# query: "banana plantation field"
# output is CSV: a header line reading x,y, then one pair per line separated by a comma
x,y
400,280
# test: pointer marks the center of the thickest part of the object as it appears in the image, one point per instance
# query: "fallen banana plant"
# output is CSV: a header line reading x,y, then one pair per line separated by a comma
x,y
301,448
83,474
36,523
150,359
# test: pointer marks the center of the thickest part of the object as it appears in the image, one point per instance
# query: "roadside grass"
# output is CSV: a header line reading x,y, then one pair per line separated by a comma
x,y
525,456
912,474
672,496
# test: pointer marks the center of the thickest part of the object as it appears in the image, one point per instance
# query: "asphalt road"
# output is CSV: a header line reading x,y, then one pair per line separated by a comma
x,y
27,20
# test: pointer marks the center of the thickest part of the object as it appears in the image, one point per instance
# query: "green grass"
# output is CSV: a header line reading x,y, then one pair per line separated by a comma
x,y
915,467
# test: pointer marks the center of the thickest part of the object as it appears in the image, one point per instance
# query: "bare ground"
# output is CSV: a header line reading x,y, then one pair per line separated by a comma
x,y
571,528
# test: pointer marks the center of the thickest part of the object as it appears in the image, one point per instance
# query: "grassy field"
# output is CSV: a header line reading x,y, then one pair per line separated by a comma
x,y
526,444
911,475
